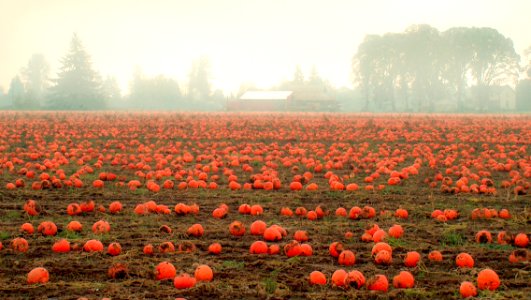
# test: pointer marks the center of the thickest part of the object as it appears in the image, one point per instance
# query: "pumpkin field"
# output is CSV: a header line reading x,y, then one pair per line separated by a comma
x,y
264,206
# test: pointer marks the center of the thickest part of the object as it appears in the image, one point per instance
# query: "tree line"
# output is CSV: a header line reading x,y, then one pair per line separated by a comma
x,y
423,69
77,86
464,69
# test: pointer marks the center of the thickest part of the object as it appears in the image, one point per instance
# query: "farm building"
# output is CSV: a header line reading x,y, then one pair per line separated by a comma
x,y
283,101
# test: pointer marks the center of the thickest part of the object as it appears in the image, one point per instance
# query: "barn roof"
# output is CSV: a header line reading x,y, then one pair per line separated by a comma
x,y
266,95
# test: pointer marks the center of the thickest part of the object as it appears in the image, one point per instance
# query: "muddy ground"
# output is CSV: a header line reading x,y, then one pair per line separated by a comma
x,y
238,274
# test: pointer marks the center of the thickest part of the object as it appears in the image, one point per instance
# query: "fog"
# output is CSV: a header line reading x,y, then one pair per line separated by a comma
x,y
380,56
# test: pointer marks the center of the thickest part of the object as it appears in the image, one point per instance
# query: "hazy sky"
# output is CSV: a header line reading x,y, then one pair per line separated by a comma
x,y
246,40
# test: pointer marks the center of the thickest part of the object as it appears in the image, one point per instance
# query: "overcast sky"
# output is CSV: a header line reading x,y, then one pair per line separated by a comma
x,y
246,40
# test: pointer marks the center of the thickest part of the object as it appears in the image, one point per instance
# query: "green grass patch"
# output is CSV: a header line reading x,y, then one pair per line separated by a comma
x,y
4,235
231,264
453,239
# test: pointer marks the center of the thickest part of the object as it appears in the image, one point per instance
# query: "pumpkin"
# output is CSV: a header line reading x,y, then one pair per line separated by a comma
x,y
203,273
214,248
115,207
464,260
347,258
435,256
317,278
114,249
184,281
292,249
47,228
335,249
196,230
117,271
101,227
412,259
74,226
20,245
236,228
27,228
38,275
378,283
61,246
340,278
488,280
396,231
355,279
404,280
258,227
258,247
521,240
301,236
164,271
467,289
93,246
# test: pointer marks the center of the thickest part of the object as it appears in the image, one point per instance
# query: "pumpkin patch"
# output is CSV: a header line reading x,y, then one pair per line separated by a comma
x,y
247,205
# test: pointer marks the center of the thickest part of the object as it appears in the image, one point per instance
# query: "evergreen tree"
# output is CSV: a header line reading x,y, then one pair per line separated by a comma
x,y
199,87
78,86
35,77
16,93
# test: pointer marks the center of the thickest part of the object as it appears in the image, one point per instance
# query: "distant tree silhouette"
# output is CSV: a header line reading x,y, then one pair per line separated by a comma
x,y
154,93
16,93
111,90
423,67
199,86
523,93
35,77
78,86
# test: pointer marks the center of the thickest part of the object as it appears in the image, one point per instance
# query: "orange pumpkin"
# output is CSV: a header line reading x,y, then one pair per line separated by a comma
x,y
184,281
164,271
196,230
47,228
148,249
301,236
166,247
335,249
93,246
464,260
117,271
236,228
27,228
435,256
20,245
412,259
74,226
317,278
38,275
467,289
214,248
258,247
256,210
272,234
73,209
61,246
292,249
396,231
356,279
383,257
203,273
488,280
115,207
340,278
101,227
521,240
378,283
347,258
114,249
404,280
